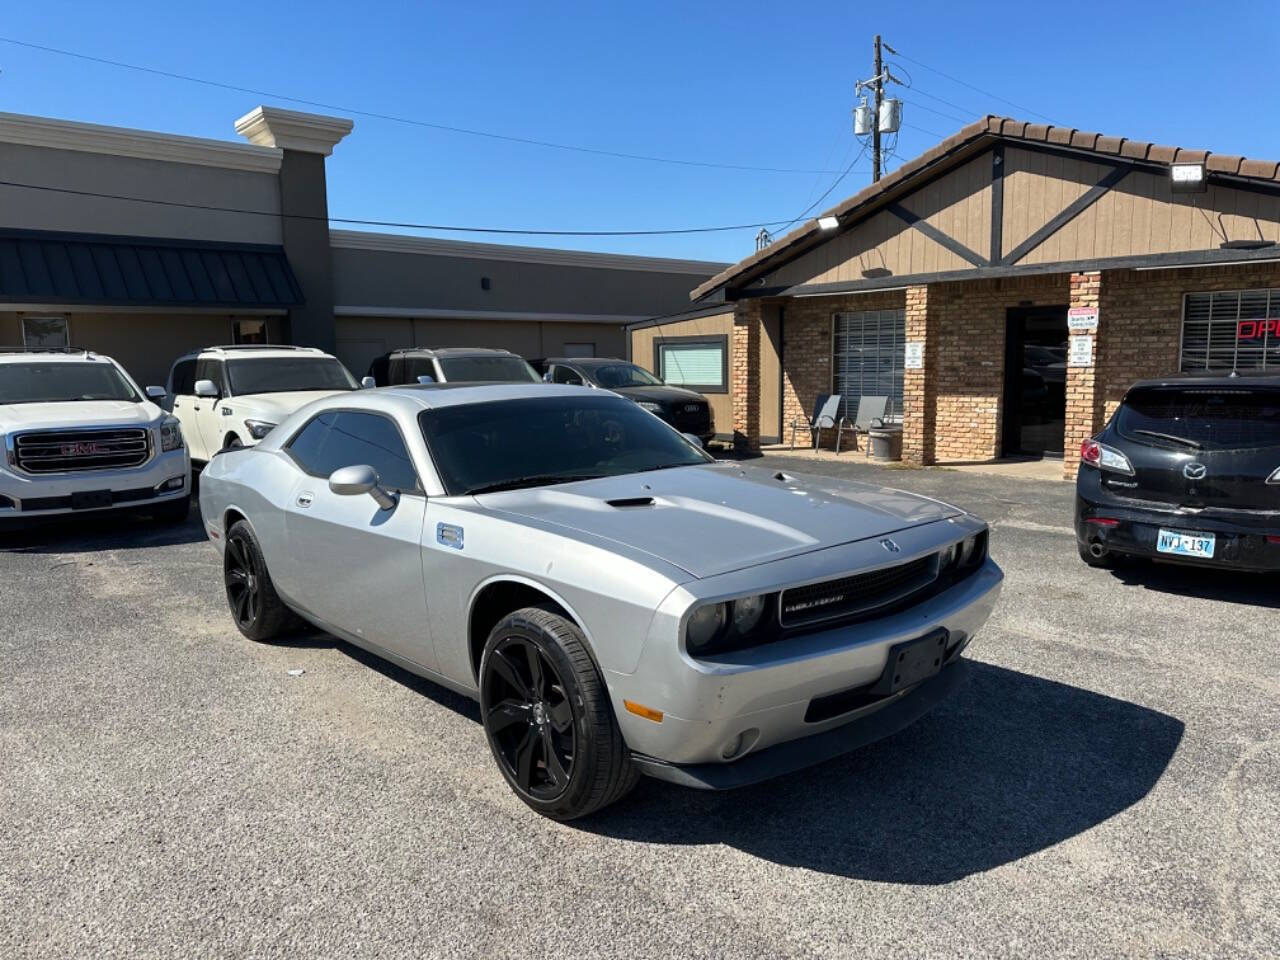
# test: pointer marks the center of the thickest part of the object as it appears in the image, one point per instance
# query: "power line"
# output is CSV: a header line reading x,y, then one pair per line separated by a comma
x,y
528,141
963,83
401,224
826,193
921,106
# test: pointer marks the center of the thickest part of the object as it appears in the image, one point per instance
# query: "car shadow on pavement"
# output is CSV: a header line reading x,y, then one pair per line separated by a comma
x,y
88,534
1205,583
1012,764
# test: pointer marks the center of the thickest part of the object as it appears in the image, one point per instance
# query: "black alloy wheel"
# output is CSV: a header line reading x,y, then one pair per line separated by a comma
x,y
527,712
257,609
548,717
242,583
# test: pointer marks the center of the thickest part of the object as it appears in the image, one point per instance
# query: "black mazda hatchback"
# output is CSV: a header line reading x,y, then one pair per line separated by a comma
x,y
1187,469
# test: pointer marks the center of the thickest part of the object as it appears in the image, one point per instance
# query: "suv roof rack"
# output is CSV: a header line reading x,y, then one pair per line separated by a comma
x,y
27,349
446,351
260,346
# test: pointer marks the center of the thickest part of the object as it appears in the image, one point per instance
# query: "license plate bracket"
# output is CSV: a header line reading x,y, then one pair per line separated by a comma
x,y
912,662
91,499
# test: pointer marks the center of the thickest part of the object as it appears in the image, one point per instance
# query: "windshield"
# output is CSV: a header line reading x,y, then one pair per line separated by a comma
x,y
1205,418
59,382
506,444
487,370
287,375
615,375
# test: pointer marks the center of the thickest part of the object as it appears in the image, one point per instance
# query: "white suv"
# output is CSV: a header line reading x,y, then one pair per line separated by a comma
x,y
232,396
80,435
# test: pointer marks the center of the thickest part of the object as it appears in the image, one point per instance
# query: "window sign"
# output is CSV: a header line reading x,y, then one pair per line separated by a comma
x,y
1081,352
915,355
1231,330
1082,318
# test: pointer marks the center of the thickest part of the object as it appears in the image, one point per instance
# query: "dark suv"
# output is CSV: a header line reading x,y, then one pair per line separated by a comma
x,y
1188,469
687,411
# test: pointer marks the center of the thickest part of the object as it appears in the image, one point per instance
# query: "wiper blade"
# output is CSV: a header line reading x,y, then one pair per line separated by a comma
x,y
1185,441
537,480
664,466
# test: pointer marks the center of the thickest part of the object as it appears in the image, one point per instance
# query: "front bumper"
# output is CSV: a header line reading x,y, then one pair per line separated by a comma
x,y
1248,541
29,496
770,696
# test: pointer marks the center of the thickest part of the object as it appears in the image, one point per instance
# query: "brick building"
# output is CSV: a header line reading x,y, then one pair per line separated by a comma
x,y
1004,288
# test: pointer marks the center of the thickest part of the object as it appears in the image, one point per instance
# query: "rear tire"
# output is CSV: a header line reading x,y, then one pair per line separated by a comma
x,y
257,609
1105,562
547,717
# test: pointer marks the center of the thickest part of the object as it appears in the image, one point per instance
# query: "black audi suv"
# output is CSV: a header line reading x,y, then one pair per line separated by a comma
x,y
1187,469
687,411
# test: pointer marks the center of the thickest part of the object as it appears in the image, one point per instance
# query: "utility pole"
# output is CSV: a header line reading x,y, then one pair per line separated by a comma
x,y
878,74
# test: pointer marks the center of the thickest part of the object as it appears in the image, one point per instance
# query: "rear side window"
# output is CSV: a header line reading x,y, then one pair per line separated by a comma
x,y
565,374
347,438
1202,418
211,370
183,379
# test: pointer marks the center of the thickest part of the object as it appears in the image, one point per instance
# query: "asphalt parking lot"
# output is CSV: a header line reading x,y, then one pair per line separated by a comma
x,y
1107,784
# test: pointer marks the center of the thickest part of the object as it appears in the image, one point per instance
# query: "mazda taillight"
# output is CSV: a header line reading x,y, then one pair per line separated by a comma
x,y
1099,455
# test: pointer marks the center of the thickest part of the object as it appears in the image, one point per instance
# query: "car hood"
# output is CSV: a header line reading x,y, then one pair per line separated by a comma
x,y
75,413
714,519
275,406
663,394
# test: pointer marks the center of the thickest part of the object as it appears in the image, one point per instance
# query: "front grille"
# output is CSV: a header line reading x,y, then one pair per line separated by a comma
x,y
855,595
75,451
696,420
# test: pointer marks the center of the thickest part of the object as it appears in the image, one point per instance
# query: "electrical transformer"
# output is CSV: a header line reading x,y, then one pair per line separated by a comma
x,y
862,120
890,115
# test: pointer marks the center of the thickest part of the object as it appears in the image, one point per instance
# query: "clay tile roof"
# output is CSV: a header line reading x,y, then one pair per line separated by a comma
x,y
989,128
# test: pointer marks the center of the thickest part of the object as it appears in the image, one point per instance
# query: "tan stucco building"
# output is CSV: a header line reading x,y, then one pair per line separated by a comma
x,y
145,245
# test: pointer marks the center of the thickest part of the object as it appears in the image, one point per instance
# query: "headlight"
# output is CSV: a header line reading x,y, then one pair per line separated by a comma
x,y
258,428
705,625
747,612
650,406
170,434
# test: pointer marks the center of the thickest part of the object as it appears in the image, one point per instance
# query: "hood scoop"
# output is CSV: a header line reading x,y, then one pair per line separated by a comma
x,y
631,502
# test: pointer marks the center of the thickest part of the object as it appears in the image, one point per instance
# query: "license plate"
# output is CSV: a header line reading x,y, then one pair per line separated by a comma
x,y
1185,544
91,499
911,662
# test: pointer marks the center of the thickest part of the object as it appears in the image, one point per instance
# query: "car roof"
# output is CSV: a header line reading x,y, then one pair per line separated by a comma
x,y
586,361
51,355
451,352
1222,381
257,350
433,395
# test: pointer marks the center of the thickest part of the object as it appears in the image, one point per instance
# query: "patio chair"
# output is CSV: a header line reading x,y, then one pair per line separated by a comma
x,y
870,414
826,410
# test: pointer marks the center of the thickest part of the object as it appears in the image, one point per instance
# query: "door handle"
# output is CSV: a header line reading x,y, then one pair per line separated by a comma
x,y
195,407
304,499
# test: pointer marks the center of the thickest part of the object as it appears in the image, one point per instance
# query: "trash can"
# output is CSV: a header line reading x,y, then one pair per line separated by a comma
x,y
886,442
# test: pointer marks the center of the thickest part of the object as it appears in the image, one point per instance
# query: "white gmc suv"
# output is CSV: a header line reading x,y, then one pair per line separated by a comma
x,y
80,435
232,396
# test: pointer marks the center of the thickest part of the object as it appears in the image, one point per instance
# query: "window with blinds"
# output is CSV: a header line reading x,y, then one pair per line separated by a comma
x,y
700,364
1231,330
868,358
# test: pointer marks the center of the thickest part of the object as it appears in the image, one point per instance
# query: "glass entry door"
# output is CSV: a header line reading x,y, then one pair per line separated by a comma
x,y
1035,378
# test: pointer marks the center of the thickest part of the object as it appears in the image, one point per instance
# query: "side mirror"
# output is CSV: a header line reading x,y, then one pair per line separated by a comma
x,y
156,393
206,388
367,383
696,441
356,480
426,378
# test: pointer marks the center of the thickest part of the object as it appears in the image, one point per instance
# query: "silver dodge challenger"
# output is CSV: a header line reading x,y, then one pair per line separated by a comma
x,y
617,601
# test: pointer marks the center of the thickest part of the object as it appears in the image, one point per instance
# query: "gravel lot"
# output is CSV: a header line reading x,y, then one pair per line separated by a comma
x,y
1108,784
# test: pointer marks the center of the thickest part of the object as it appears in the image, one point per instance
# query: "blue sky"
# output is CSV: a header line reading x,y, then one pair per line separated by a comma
x,y
748,83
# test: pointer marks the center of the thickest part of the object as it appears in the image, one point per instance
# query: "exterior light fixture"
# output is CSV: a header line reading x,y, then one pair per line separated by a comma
x,y
1188,178
828,223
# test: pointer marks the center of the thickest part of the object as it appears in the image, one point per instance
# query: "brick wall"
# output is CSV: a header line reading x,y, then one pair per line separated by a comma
x,y
807,348
744,374
970,321
920,386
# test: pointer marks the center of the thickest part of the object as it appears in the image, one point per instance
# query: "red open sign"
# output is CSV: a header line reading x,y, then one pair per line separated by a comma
x,y
1258,329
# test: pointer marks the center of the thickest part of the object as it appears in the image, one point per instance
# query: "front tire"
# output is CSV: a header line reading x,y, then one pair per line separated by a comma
x,y
232,443
257,609
547,717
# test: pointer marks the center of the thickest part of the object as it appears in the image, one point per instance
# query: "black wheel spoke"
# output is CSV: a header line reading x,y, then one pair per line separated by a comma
x,y
505,714
535,668
242,607
525,752
505,669
555,769
561,716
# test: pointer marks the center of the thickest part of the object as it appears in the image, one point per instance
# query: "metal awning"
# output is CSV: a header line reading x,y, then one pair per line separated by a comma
x,y
84,268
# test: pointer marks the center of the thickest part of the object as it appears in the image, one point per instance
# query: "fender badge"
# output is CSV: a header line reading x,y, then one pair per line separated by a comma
x,y
449,535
